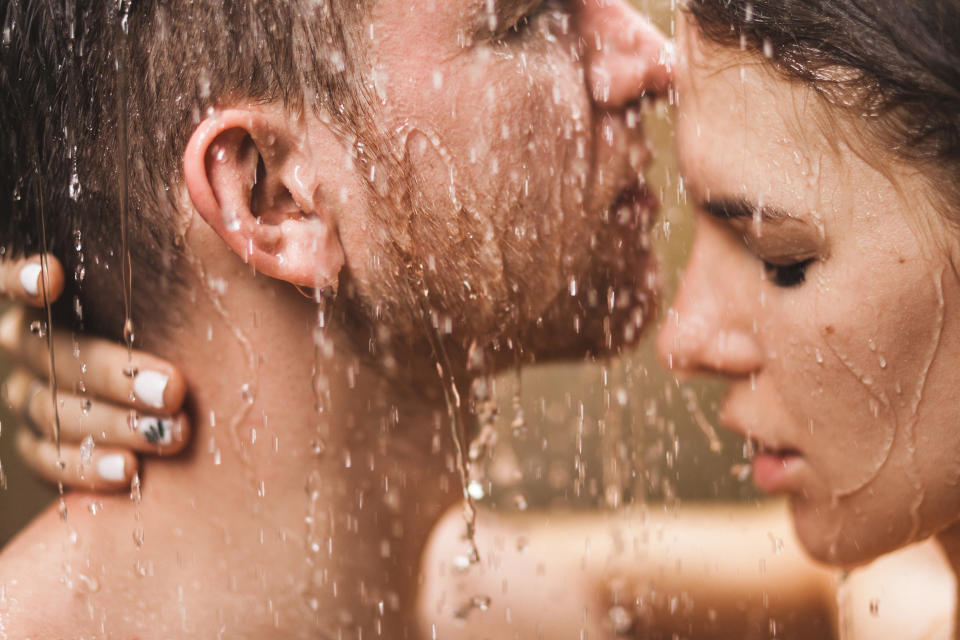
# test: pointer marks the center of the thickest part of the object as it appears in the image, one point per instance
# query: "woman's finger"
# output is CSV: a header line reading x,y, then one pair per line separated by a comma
x,y
95,367
97,468
80,417
23,279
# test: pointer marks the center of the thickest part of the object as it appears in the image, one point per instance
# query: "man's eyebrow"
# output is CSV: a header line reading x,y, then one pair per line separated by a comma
x,y
740,209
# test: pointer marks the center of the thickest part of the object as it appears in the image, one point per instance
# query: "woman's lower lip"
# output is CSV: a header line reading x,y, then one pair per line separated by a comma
x,y
772,472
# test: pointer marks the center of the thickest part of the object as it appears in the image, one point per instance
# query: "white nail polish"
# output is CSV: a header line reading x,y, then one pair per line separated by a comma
x,y
30,278
158,431
112,467
149,387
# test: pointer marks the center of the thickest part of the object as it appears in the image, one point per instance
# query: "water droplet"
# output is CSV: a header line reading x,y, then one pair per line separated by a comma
x,y
476,603
86,453
86,584
777,544
128,335
461,563
741,471
135,493
74,188
475,490
38,328
621,620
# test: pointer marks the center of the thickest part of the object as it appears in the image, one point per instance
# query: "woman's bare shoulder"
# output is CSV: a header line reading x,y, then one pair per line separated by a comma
x,y
906,595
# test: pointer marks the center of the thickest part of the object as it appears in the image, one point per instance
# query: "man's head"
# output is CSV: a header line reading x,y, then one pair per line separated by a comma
x,y
474,166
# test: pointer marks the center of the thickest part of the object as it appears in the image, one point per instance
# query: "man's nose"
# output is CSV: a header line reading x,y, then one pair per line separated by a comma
x,y
626,56
710,329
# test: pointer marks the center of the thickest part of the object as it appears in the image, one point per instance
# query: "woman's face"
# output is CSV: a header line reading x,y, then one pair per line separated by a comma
x,y
823,288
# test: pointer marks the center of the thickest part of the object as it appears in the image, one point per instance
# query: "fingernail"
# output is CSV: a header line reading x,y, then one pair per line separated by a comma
x,y
149,387
30,278
156,430
112,467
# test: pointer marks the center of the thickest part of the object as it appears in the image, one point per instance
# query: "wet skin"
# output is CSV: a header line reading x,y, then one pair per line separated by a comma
x,y
830,312
523,154
530,211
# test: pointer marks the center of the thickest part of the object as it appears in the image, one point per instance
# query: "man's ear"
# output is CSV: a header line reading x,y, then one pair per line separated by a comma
x,y
250,178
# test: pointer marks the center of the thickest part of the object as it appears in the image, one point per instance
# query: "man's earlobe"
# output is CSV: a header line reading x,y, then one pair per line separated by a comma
x,y
250,182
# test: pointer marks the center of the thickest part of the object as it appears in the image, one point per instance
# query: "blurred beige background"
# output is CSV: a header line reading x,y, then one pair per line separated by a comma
x,y
603,435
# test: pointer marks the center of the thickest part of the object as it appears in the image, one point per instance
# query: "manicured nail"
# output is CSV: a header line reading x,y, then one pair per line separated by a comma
x,y
112,467
30,278
149,387
157,431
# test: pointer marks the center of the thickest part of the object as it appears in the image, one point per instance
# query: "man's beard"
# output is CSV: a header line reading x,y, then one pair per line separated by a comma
x,y
440,278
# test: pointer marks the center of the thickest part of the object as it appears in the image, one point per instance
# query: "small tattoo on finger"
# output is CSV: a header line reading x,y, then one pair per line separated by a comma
x,y
157,431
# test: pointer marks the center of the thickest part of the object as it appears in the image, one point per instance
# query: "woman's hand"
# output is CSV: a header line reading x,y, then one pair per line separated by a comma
x,y
110,402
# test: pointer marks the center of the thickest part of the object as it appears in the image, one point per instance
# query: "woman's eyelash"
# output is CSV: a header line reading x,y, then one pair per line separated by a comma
x,y
788,275
534,9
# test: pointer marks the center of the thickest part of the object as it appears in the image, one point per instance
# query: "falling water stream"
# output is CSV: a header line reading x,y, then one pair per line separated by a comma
x,y
124,176
48,334
458,434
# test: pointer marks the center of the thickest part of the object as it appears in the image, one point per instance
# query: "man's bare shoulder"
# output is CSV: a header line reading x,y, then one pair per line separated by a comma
x,y
53,574
169,567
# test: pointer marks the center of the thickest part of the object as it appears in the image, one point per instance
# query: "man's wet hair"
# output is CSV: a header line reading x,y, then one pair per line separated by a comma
x,y
97,103
895,64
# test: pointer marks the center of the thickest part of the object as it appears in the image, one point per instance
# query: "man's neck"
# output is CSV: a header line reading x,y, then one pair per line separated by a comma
x,y
330,476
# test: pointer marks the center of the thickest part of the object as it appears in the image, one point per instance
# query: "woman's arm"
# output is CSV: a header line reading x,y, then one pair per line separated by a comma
x,y
699,571
719,571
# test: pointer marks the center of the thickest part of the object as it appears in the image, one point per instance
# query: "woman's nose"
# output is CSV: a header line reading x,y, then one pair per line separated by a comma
x,y
711,327
626,56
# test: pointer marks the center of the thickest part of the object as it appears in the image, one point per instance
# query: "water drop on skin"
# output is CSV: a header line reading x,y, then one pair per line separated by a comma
x,y
86,453
232,222
621,620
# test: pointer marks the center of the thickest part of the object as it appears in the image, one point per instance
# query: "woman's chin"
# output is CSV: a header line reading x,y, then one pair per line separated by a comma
x,y
832,534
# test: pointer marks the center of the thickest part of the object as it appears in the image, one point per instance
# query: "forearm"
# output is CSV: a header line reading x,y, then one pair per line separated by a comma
x,y
709,571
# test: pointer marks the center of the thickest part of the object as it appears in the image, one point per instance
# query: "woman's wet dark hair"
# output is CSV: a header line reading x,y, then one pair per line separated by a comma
x,y
894,63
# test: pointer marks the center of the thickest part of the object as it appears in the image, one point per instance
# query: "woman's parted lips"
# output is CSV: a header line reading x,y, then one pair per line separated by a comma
x,y
759,443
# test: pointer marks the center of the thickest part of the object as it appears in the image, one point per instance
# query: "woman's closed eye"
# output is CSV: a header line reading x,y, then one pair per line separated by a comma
x,y
787,275
517,22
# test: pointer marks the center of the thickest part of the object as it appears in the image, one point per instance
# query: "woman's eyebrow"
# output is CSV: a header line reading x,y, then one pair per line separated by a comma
x,y
740,209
